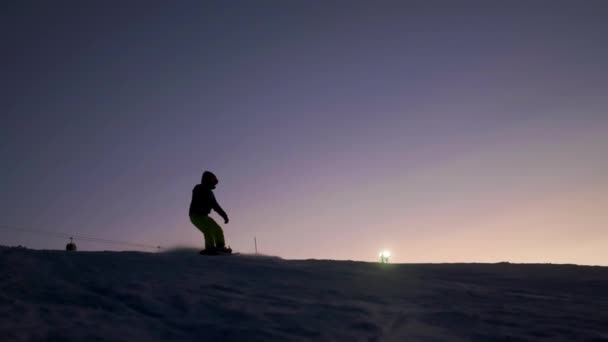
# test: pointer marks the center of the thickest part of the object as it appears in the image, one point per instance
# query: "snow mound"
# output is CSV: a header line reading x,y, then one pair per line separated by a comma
x,y
182,296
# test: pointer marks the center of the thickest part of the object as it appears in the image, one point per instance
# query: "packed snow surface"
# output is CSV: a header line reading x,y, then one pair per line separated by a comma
x,y
182,296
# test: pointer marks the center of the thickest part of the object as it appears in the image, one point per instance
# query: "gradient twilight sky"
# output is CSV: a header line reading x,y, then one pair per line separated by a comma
x,y
446,131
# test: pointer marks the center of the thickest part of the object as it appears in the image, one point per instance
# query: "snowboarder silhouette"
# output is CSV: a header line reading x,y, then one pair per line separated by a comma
x,y
202,202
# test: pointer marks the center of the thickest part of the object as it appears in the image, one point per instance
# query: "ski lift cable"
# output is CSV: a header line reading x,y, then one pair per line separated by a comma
x,y
35,231
76,236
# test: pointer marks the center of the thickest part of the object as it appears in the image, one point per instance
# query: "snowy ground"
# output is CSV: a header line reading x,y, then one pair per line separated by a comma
x,y
130,296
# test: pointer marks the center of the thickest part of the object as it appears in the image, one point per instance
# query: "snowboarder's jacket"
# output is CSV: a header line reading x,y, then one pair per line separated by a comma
x,y
203,199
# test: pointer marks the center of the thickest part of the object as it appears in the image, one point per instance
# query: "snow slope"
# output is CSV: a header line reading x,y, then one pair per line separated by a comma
x,y
132,296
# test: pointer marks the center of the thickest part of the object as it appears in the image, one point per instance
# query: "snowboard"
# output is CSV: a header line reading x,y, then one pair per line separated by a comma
x,y
216,253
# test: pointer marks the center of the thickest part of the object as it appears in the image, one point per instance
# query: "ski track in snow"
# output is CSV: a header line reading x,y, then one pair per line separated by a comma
x,y
132,296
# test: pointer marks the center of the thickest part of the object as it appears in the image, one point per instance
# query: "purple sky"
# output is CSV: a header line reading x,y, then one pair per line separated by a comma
x,y
445,131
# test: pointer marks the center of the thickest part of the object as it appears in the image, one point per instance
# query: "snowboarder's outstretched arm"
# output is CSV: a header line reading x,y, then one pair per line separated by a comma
x,y
219,210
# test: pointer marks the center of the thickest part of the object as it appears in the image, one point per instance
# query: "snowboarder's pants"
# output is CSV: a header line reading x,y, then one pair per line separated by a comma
x,y
214,236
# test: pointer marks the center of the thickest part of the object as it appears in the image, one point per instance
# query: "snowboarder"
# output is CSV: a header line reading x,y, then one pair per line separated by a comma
x,y
202,202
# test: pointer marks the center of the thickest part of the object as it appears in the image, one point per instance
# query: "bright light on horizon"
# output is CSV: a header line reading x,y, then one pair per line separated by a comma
x,y
385,254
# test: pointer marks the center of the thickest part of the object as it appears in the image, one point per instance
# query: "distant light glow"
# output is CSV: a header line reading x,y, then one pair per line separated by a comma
x,y
384,255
